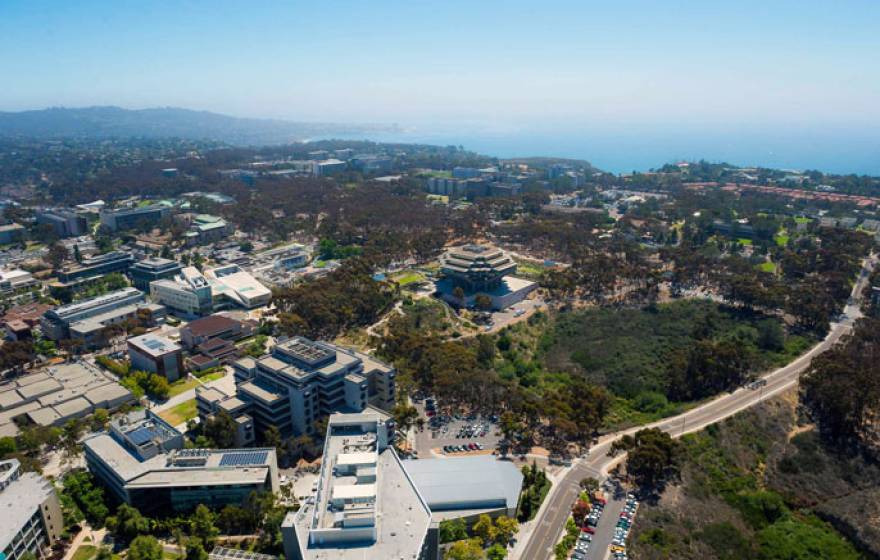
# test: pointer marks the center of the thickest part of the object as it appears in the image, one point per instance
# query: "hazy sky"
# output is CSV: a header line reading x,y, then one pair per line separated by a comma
x,y
700,62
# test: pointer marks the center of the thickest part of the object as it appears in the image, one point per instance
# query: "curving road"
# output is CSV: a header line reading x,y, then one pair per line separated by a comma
x,y
551,519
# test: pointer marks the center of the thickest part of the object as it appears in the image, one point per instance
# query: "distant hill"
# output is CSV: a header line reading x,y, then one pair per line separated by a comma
x,y
116,122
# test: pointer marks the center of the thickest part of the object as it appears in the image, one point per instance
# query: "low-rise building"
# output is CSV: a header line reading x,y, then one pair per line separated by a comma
x,y
142,462
130,218
97,265
230,284
214,326
16,279
65,223
205,228
86,320
11,233
19,321
213,353
32,521
152,269
188,294
156,354
52,396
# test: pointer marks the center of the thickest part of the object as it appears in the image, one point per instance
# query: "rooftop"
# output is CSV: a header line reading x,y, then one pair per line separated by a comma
x,y
153,345
19,500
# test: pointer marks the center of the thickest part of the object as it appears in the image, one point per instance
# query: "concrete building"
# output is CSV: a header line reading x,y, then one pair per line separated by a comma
x,y
156,354
365,504
31,521
302,381
188,294
369,504
86,319
16,279
205,228
328,167
52,396
65,223
479,269
19,321
130,218
142,462
232,285
11,233
97,265
152,269
211,401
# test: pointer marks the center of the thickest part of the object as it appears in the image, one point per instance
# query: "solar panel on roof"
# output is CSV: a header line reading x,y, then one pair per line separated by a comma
x,y
240,459
141,435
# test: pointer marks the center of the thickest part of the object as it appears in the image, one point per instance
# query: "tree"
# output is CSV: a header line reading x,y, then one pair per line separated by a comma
x,y
73,430
202,525
485,529
7,446
483,302
195,550
220,429
104,553
272,437
505,529
496,552
452,530
77,256
469,549
56,255
404,416
81,491
128,523
145,547
653,456
458,293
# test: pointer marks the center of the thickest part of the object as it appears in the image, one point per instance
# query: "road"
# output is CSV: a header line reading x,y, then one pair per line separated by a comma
x,y
551,520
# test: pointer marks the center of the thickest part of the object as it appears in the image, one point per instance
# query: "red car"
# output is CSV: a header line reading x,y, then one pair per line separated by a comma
x,y
587,529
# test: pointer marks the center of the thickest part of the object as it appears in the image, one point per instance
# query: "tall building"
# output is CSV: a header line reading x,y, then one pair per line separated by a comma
x,y
31,521
302,381
65,223
156,354
142,462
365,504
130,218
152,269
369,504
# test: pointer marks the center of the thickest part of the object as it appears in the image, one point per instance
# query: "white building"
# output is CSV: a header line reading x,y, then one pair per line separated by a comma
x,y
233,284
189,293
31,521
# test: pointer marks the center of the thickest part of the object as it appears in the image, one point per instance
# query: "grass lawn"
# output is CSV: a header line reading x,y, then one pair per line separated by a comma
x,y
84,552
183,385
782,239
319,264
802,220
744,241
407,277
213,376
528,269
767,267
180,413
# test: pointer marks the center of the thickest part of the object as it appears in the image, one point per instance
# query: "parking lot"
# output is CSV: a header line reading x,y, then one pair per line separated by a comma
x,y
470,435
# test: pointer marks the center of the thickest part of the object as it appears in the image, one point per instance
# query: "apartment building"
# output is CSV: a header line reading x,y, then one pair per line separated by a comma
x,y
142,462
32,521
301,381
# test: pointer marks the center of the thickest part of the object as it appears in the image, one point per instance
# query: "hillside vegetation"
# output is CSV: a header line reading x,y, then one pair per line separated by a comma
x,y
761,486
